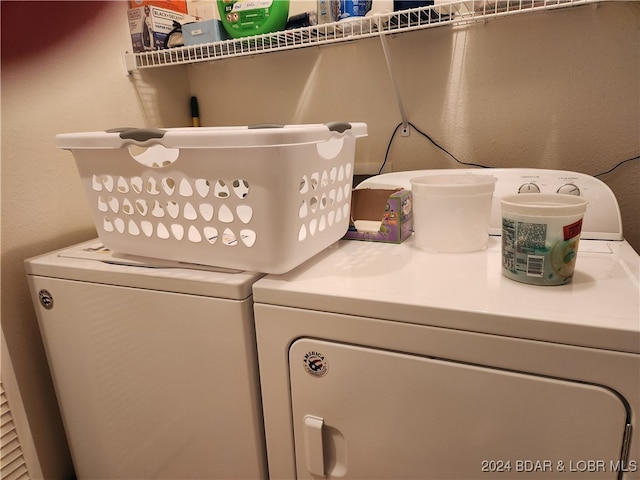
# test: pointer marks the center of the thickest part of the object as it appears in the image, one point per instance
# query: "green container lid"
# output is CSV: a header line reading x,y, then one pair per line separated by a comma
x,y
243,18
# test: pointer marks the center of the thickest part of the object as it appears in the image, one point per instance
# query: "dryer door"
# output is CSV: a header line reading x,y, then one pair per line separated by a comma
x,y
367,413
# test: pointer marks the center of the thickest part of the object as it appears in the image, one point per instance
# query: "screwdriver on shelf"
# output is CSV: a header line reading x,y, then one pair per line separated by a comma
x,y
195,112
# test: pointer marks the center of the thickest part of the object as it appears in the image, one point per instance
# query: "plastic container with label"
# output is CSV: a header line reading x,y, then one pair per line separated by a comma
x,y
243,18
540,236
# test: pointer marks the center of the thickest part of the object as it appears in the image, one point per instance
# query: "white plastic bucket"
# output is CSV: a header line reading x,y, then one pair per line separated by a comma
x,y
451,212
540,236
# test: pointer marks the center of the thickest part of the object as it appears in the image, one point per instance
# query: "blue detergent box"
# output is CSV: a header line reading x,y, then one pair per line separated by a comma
x,y
207,31
381,215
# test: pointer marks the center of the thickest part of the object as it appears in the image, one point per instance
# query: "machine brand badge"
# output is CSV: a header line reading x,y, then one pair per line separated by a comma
x,y
46,299
315,364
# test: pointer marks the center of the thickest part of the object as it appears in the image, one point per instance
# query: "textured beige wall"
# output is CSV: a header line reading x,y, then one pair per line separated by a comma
x,y
78,84
557,89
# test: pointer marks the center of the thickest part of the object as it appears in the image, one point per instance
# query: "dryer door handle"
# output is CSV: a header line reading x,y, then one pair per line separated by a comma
x,y
313,441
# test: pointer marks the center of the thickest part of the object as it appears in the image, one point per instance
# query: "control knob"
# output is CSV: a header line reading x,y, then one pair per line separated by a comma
x,y
529,188
569,189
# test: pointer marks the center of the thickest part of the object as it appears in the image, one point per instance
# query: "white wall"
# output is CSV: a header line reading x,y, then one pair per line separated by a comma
x,y
554,90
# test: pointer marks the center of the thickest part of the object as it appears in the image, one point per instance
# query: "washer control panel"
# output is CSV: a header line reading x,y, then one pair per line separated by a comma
x,y
602,220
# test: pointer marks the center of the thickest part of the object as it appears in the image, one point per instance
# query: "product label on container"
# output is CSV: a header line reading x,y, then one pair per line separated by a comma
x,y
353,8
531,253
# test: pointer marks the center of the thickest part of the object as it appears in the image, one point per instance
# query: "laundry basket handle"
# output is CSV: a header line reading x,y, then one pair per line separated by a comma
x,y
140,134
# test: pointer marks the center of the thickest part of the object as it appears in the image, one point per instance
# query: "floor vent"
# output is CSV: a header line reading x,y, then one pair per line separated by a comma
x,y
12,464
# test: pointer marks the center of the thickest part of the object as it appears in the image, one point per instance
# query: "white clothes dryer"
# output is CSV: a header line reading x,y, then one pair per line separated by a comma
x,y
383,361
154,365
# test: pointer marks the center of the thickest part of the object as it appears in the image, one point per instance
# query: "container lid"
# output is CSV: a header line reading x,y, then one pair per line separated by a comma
x,y
454,184
543,204
212,137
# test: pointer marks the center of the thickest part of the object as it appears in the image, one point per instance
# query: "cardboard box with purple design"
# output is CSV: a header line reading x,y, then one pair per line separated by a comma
x,y
381,215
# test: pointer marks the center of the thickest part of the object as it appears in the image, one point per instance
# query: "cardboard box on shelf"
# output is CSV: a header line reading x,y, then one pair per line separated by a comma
x,y
150,25
206,31
381,215
173,5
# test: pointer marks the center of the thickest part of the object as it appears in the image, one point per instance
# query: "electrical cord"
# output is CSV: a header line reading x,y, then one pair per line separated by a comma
x,y
616,166
436,144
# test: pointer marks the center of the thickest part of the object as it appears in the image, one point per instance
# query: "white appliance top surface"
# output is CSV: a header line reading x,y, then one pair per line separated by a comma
x,y
91,262
600,308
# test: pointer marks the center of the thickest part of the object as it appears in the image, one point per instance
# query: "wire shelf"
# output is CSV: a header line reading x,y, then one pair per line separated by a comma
x,y
454,13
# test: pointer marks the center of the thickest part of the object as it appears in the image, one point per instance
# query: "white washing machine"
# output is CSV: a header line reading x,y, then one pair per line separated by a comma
x,y
154,365
382,361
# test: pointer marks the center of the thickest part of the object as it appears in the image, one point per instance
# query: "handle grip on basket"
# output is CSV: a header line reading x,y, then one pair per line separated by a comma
x,y
154,156
141,134
339,127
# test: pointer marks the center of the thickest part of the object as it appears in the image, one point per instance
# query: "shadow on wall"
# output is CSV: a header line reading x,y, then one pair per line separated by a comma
x,y
60,21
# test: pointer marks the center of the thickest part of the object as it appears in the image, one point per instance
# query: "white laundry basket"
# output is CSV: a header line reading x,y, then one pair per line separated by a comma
x,y
263,198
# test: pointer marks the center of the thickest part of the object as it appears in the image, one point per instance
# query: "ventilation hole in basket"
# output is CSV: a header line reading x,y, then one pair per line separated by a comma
x,y
330,217
177,230
315,177
339,198
108,182
324,180
211,234
206,210
345,210
229,238
347,169
338,215
304,211
173,209
114,204
154,156
162,231
142,207
136,184
147,227
304,184
189,212
323,224
107,225
193,235
119,224
102,204
244,212
133,228
96,183
220,190
340,173
186,190
152,186
168,185
330,148
127,206
202,187
157,210
313,204
241,188
332,197
333,174
122,185
312,226
323,201
225,215
347,191
248,237
302,234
